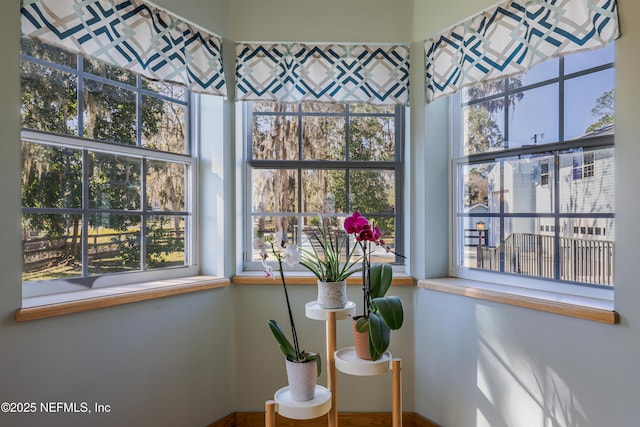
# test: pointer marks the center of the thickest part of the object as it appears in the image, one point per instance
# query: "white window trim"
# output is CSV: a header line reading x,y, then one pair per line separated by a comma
x,y
72,285
547,289
243,205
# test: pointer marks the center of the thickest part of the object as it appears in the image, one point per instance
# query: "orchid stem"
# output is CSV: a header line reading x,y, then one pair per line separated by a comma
x,y
293,325
286,295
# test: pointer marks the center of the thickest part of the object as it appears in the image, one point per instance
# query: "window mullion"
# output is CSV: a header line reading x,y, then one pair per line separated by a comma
x,y
138,111
556,211
85,213
502,218
561,94
80,95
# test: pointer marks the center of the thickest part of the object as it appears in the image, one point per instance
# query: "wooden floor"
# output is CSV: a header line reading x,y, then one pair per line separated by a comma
x,y
345,419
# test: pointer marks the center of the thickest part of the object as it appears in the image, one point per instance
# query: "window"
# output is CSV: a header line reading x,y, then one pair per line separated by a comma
x,y
310,158
106,174
544,173
526,145
583,166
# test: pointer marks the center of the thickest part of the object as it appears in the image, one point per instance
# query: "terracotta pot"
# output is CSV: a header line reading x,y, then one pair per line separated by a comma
x,y
332,294
302,378
361,341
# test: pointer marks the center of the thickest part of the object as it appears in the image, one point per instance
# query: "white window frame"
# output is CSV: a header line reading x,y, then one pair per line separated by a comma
x,y
190,267
517,284
245,252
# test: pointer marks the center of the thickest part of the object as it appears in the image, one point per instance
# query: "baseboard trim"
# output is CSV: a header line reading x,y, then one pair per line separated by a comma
x,y
345,419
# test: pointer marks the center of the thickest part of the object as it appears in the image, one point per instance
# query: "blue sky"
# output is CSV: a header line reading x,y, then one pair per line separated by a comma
x,y
537,112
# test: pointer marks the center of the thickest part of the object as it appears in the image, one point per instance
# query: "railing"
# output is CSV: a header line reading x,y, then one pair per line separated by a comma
x,y
580,260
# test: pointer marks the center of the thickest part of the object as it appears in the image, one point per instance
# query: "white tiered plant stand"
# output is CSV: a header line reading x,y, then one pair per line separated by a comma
x,y
314,311
347,361
289,408
344,360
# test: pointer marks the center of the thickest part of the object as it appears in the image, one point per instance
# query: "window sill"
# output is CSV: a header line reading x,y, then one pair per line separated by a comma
x,y
302,278
567,305
74,302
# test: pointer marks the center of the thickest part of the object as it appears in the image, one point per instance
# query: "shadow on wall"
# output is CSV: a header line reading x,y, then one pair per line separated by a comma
x,y
514,389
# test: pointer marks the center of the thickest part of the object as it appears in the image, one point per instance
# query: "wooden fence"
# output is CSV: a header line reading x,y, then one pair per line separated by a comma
x,y
41,252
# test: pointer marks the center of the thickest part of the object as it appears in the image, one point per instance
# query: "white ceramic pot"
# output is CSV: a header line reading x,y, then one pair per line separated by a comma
x,y
332,294
302,380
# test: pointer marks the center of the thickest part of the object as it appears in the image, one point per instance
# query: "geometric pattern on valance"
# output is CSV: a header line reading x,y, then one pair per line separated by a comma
x,y
132,35
294,72
511,38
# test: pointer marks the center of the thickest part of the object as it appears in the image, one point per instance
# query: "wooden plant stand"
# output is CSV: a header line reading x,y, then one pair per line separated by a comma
x,y
344,360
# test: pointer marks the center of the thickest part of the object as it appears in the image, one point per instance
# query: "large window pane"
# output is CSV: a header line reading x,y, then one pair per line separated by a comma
x,y
587,182
51,176
479,180
109,113
274,190
524,185
323,138
483,127
533,117
114,243
273,228
114,181
275,138
165,241
589,105
372,191
51,246
586,250
372,138
323,190
49,99
166,185
163,125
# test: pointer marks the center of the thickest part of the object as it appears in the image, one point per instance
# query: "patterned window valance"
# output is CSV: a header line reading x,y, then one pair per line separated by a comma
x,y
513,37
293,72
132,35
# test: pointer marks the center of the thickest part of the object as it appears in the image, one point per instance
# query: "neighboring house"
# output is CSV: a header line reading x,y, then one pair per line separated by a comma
x,y
528,186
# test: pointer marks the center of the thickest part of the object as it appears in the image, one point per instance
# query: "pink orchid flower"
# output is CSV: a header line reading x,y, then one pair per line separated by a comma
x,y
355,223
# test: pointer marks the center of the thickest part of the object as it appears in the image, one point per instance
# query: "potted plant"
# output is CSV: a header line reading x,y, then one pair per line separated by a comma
x,y
381,313
303,367
324,260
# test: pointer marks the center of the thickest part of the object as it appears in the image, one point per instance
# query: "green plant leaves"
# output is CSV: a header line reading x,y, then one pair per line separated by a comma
x,y
285,344
362,325
381,276
379,336
327,249
390,309
289,351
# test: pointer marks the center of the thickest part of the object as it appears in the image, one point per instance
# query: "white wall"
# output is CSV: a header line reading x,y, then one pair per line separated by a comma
x,y
485,364
362,21
164,362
